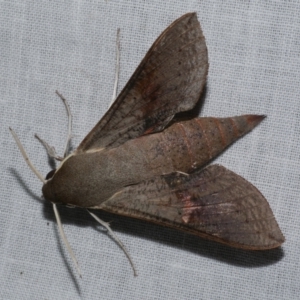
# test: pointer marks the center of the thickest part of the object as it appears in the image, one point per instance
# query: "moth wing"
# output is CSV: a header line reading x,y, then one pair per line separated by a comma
x,y
169,80
214,203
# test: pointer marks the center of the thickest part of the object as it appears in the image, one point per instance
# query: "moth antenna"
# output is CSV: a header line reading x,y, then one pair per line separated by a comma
x,y
24,154
64,238
69,123
50,149
117,68
112,234
38,174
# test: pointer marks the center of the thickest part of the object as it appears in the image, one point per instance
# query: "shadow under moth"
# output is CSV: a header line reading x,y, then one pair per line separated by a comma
x,y
139,162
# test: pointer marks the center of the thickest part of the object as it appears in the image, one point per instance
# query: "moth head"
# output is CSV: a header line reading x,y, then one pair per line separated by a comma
x,y
47,187
48,192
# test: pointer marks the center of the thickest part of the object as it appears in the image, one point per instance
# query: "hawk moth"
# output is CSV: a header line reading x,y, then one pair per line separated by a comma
x,y
138,161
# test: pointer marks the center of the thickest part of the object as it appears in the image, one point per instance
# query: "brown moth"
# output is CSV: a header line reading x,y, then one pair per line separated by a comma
x,y
135,163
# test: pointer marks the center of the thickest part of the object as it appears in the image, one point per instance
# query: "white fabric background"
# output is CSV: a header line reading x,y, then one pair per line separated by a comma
x,y
254,59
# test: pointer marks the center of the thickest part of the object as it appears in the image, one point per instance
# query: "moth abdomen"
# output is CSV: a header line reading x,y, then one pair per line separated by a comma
x,y
192,144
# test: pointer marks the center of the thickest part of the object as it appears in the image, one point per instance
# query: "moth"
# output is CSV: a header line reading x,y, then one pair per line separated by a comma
x,y
140,161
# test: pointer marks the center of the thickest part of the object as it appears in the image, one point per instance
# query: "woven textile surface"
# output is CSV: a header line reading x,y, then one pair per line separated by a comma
x,y
70,46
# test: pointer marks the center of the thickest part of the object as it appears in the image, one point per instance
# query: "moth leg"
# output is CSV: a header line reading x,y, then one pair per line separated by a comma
x,y
50,149
117,240
67,146
117,68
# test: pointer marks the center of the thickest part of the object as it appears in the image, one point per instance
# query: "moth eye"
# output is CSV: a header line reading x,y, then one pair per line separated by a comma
x,y
50,174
